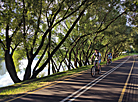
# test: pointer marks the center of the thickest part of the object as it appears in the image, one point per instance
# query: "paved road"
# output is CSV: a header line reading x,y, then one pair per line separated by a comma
x,y
117,83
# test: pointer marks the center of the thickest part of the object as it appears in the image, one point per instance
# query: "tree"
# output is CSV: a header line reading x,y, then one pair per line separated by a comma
x,y
53,31
28,26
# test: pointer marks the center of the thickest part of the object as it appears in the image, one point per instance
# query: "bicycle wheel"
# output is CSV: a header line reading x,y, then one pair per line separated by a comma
x,y
99,72
110,62
93,71
107,63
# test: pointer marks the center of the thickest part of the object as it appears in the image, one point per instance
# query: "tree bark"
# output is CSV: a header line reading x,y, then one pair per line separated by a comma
x,y
53,67
69,60
80,63
11,68
76,58
58,46
9,60
27,74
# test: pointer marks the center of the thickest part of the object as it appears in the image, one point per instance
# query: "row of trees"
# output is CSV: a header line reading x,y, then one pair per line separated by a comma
x,y
61,33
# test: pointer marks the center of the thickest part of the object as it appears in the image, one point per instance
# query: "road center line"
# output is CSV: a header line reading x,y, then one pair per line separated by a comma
x,y
89,85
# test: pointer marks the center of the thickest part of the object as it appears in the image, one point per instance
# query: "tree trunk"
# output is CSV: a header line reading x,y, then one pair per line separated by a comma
x,y
58,46
76,59
80,63
105,56
85,57
69,60
49,40
49,64
11,68
53,68
28,70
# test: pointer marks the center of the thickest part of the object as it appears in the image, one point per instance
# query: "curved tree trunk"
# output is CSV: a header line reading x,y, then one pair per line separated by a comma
x,y
75,59
27,74
11,68
8,59
58,46
53,67
80,63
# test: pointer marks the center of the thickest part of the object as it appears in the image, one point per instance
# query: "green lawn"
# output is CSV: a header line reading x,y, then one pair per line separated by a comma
x,y
132,53
38,83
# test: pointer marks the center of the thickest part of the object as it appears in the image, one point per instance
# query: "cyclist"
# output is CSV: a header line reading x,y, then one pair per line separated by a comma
x,y
109,56
97,58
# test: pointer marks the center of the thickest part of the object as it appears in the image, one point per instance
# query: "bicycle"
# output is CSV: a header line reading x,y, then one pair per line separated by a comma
x,y
95,69
108,61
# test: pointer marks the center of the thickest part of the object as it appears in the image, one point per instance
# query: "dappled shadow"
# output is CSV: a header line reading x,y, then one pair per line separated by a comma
x,y
37,98
106,90
131,94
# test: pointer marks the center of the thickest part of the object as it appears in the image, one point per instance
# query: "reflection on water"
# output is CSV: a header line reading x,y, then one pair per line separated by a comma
x,y
2,68
5,78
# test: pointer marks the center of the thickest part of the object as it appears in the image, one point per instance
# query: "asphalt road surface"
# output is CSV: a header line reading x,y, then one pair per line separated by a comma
x,y
118,82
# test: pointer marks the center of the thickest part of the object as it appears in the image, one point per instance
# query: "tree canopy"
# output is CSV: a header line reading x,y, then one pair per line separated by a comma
x,y
63,33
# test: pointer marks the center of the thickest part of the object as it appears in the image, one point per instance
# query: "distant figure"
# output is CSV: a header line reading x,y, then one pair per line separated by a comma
x,y
109,56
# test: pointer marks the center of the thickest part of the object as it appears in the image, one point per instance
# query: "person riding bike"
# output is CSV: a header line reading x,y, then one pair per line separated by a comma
x,y
97,58
109,56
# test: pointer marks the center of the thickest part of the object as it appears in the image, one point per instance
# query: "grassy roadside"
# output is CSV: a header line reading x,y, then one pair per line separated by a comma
x,y
31,85
132,53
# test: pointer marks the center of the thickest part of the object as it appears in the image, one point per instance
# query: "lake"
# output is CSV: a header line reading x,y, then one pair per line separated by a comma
x,y
5,79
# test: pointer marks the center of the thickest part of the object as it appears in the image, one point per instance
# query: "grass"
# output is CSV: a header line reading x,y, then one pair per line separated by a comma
x,y
132,53
31,85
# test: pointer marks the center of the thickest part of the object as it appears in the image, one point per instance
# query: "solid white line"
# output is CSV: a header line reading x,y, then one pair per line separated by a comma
x,y
85,86
96,81
90,86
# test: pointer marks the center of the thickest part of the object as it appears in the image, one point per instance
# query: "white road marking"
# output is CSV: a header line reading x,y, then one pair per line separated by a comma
x,y
91,84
